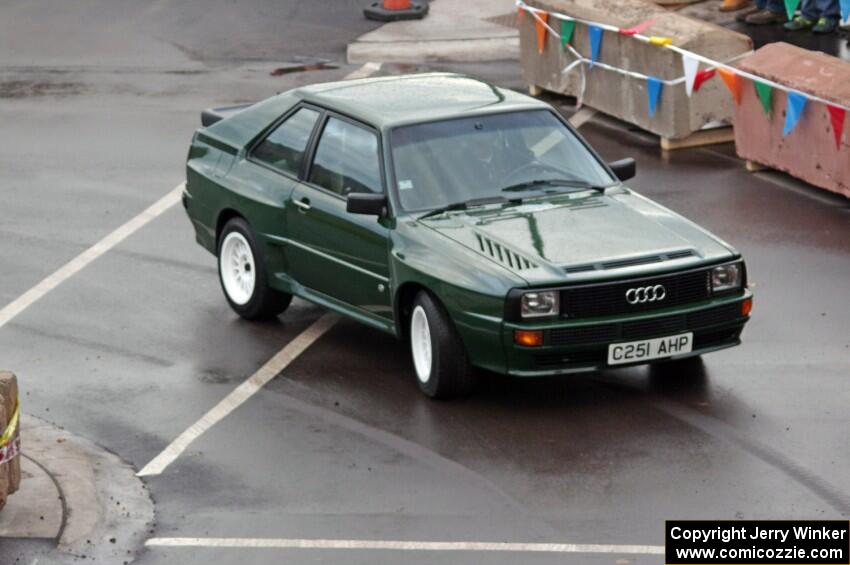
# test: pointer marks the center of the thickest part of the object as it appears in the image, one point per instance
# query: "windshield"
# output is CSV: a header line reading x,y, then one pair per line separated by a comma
x,y
441,163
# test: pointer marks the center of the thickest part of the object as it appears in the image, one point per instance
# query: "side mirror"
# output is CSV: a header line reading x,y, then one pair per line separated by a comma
x,y
366,203
624,168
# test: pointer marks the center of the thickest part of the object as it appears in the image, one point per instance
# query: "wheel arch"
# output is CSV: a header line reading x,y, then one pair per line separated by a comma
x,y
402,304
225,216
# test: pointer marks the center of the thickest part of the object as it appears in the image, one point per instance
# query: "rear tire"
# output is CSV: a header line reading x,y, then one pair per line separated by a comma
x,y
440,362
243,276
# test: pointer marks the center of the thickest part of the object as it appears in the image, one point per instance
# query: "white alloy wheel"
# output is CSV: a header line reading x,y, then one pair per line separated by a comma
x,y
237,268
420,343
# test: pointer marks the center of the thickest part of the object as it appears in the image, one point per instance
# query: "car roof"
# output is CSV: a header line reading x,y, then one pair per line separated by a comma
x,y
385,102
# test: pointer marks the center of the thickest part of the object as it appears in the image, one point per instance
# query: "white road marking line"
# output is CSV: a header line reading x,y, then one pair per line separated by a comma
x,y
368,69
254,383
240,394
11,310
270,543
82,260
582,117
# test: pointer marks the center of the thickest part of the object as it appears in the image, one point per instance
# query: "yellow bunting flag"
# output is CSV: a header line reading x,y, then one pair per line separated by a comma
x,y
733,83
540,25
655,40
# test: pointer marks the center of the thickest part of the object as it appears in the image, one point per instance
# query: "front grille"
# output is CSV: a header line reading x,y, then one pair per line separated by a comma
x,y
587,334
609,299
645,329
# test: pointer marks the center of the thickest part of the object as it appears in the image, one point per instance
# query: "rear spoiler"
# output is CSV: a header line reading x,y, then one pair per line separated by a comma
x,y
213,115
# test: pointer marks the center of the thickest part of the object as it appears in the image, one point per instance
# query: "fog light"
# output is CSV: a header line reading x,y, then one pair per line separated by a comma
x,y
528,338
746,307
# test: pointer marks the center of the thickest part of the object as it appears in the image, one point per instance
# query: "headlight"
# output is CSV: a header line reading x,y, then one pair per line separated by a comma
x,y
726,277
540,303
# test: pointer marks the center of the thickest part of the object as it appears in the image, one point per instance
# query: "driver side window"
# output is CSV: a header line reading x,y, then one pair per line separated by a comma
x,y
347,159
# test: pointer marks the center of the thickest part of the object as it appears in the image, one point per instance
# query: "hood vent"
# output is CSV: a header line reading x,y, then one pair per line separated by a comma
x,y
631,262
619,264
680,254
503,255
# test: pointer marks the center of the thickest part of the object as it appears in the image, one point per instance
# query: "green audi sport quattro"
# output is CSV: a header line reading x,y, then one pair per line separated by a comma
x,y
469,220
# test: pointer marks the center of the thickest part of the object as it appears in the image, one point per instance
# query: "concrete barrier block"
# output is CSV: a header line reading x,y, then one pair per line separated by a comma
x,y
10,473
809,152
624,97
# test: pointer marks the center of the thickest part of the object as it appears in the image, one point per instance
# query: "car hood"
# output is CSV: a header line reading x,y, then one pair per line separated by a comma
x,y
582,236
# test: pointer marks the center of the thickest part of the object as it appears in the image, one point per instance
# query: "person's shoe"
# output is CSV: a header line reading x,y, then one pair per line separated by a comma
x,y
765,17
825,25
743,14
734,5
799,23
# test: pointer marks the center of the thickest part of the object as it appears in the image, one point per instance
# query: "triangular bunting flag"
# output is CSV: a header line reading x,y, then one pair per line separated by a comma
x,y
702,76
595,42
793,110
653,91
640,28
733,83
661,41
836,117
845,10
540,24
791,7
764,91
568,27
691,66
520,12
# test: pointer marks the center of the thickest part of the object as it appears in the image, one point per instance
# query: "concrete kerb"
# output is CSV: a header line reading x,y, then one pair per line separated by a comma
x,y
102,510
458,32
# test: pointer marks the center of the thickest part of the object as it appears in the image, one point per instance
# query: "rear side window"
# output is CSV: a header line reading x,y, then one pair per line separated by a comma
x,y
284,148
347,159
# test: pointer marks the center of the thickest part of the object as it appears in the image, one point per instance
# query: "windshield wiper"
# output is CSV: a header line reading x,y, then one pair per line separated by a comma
x,y
532,184
463,205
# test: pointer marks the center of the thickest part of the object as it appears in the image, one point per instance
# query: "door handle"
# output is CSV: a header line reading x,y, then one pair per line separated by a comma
x,y
303,204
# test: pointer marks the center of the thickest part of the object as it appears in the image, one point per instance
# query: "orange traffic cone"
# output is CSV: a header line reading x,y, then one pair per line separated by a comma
x,y
392,10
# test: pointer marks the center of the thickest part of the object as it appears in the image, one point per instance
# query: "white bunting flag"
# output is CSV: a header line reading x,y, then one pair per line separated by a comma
x,y
691,65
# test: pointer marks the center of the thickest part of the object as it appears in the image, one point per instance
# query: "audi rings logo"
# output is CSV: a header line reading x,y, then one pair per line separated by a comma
x,y
646,294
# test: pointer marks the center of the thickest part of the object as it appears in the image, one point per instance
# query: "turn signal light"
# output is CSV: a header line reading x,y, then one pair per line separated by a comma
x,y
528,338
746,307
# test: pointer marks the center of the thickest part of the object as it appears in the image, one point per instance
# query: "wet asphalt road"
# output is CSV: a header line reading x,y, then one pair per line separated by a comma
x,y
135,348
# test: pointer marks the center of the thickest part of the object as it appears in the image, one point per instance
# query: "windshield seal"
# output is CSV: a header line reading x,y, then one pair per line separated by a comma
x,y
391,167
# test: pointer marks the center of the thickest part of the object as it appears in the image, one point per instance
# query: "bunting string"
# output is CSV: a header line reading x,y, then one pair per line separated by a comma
x,y
665,43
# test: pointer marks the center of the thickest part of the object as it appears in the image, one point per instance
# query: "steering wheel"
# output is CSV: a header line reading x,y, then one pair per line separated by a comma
x,y
522,172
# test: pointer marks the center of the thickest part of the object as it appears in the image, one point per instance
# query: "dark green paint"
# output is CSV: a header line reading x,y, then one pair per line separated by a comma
x,y
364,266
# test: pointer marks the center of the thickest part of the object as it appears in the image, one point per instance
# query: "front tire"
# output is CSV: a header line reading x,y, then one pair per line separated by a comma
x,y
439,358
243,276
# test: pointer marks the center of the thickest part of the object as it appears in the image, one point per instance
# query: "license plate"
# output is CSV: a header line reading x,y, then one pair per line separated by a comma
x,y
648,349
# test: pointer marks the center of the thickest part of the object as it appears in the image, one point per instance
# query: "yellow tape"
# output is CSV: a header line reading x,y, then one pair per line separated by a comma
x,y
9,432
655,40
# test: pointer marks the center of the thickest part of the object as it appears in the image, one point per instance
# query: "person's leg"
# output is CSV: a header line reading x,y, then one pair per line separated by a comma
x,y
829,9
830,14
772,13
807,19
756,7
811,9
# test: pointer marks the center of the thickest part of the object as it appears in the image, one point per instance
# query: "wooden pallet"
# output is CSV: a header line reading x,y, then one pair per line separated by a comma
x,y
753,167
699,139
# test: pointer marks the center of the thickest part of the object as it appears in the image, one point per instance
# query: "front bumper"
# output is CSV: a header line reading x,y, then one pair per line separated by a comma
x,y
582,345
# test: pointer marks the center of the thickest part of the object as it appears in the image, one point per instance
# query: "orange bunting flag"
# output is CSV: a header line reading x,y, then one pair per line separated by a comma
x,y
540,24
733,83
